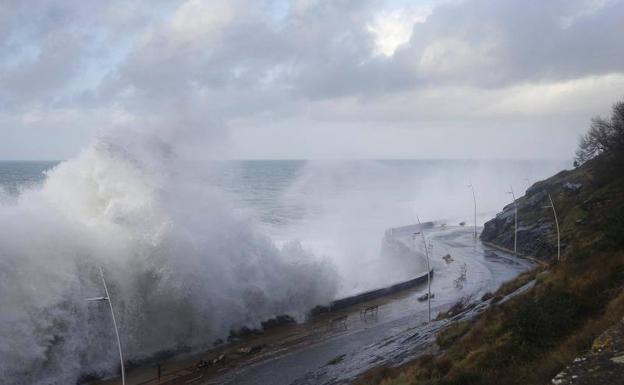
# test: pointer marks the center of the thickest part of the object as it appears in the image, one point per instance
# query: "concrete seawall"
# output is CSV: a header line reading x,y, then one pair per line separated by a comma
x,y
372,294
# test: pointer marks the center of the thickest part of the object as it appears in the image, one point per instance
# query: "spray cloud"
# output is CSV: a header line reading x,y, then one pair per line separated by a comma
x,y
183,268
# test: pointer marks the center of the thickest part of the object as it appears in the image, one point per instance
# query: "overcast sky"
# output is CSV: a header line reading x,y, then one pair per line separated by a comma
x,y
311,78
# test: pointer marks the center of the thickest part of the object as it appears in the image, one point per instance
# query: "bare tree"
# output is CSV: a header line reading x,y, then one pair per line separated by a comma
x,y
604,136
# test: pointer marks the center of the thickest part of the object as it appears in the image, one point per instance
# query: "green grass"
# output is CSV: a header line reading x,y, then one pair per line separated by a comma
x,y
530,338
452,333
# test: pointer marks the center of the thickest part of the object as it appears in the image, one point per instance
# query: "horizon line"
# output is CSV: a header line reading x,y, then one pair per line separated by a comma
x,y
328,159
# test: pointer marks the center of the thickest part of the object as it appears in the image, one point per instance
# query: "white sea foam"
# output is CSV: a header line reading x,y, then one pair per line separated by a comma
x,y
183,269
185,266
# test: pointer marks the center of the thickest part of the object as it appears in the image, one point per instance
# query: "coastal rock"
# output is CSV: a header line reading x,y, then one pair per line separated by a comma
x,y
536,199
604,364
535,226
572,188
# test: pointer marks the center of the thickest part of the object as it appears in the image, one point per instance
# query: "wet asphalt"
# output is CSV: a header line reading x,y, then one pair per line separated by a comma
x,y
399,331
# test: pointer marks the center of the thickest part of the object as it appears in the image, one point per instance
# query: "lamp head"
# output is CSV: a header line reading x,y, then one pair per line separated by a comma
x,y
97,299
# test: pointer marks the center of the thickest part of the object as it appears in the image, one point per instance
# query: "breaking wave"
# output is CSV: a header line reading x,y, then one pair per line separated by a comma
x,y
182,268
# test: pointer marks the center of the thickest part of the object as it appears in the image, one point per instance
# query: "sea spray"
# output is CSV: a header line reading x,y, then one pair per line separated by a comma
x,y
182,268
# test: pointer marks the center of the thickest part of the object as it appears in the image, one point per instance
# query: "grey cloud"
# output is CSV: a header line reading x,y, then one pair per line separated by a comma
x,y
325,51
51,49
254,66
51,70
527,41
315,63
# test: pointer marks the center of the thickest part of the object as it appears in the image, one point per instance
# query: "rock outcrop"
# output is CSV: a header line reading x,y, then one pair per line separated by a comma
x,y
535,226
604,364
537,233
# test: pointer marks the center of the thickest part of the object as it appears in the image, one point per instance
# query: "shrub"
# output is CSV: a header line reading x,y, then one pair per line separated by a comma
x,y
604,136
613,228
447,336
542,321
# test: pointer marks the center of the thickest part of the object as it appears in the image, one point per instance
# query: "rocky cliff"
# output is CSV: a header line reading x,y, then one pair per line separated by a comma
x,y
552,327
580,197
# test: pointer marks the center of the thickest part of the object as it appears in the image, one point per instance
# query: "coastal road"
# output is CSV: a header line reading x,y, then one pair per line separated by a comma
x,y
400,331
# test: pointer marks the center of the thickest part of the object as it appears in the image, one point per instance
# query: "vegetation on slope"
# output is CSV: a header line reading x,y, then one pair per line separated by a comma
x,y
533,336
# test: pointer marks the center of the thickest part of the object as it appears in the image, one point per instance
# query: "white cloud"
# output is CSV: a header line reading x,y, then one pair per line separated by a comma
x,y
584,97
301,6
452,56
393,28
197,20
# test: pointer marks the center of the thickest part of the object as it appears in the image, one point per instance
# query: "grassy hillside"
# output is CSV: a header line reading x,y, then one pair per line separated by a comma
x,y
532,337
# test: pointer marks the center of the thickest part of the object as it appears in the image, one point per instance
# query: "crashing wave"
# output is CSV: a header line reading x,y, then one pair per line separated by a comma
x,y
182,268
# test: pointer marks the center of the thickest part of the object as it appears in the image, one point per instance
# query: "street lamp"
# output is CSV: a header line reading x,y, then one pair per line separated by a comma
x,y
110,303
516,219
422,233
474,198
552,206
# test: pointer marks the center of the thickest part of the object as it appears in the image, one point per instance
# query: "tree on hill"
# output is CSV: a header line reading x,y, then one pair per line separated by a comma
x,y
604,137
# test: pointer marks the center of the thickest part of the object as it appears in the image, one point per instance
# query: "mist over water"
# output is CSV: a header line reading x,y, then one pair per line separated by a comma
x,y
192,250
341,209
183,267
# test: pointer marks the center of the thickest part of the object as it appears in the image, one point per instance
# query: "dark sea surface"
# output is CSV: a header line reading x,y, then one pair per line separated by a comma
x,y
283,192
18,175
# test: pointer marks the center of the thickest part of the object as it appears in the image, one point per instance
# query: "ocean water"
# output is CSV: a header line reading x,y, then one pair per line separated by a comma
x,y
15,176
192,251
339,210
285,193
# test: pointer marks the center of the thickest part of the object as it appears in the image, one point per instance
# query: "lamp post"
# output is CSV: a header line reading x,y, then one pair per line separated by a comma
x,y
110,303
422,233
474,199
552,206
516,219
